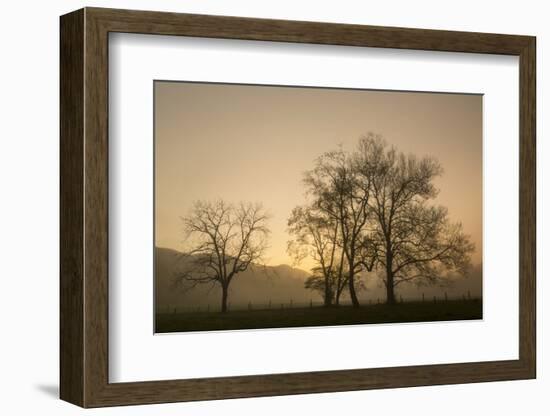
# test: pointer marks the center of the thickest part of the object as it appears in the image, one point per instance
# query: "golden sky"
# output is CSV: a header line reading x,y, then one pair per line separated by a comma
x,y
253,143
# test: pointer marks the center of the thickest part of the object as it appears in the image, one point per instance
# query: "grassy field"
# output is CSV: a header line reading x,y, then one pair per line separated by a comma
x,y
319,316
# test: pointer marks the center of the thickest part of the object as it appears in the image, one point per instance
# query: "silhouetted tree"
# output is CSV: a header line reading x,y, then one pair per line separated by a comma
x,y
223,240
337,191
412,240
316,235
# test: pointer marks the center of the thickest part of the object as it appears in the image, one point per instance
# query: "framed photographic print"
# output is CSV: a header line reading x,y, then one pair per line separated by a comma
x,y
256,207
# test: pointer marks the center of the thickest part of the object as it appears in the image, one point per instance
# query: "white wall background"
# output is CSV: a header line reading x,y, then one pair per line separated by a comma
x,y
29,209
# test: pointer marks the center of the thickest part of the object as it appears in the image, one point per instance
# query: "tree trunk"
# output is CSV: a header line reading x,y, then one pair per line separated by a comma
x,y
352,293
224,299
340,284
328,294
390,294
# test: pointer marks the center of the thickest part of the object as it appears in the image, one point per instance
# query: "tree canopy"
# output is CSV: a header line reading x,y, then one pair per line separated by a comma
x,y
378,204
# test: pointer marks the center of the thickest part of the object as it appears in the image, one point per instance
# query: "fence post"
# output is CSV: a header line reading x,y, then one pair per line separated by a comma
x,y
310,304
423,297
435,299
446,298
400,299
469,295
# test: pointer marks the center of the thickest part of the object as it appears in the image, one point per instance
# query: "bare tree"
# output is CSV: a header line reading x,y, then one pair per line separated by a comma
x,y
413,241
337,191
316,235
223,240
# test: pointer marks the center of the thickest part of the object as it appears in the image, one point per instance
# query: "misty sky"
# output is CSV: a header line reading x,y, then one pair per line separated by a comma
x,y
253,143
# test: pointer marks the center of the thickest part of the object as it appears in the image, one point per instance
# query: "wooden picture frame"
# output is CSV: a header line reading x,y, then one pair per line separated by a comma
x,y
84,207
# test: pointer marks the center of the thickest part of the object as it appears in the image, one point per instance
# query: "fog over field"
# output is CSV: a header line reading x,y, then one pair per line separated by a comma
x,y
283,284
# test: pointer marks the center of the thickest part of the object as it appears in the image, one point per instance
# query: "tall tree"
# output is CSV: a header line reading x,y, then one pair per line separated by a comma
x,y
223,240
337,191
413,240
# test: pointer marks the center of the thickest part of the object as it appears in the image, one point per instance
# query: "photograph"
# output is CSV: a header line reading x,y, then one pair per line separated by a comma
x,y
303,206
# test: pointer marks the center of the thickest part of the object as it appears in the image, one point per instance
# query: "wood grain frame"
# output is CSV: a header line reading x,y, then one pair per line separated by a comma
x,y
84,207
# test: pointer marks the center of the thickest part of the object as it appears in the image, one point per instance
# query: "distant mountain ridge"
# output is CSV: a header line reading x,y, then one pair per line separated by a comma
x,y
258,285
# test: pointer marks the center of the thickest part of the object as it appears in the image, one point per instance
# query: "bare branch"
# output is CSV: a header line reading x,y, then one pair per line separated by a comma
x,y
222,241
